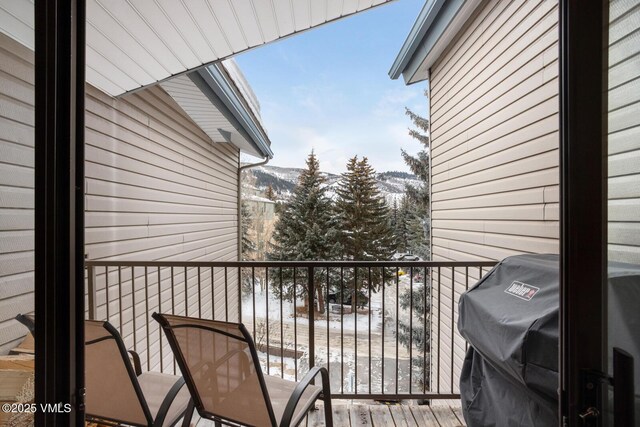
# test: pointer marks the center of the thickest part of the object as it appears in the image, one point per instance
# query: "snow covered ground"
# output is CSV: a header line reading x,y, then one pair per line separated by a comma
x,y
342,370
347,321
336,341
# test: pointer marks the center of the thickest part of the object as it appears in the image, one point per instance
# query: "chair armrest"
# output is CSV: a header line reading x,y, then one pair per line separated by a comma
x,y
299,390
137,367
168,400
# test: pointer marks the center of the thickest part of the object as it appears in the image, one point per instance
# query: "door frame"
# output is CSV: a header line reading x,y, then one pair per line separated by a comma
x,y
59,210
59,198
583,205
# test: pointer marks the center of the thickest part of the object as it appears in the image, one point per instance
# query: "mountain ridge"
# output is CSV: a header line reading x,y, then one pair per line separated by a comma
x,y
284,179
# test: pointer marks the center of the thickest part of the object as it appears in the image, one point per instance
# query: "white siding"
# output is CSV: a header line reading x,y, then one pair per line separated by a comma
x,y
624,131
157,188
494,129
494,139
16,188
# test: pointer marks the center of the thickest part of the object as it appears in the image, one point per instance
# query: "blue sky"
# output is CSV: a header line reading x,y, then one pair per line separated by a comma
x,y
328,89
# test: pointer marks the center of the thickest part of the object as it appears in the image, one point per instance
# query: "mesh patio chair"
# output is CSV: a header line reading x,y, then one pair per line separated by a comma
x,y
116,389
221,368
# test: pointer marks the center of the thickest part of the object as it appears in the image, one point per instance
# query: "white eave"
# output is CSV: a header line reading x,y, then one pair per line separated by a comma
x,y
136,43
235,116
437,25
132,44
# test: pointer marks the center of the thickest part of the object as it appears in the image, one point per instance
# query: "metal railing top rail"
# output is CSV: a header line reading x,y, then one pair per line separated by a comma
x,y
290,264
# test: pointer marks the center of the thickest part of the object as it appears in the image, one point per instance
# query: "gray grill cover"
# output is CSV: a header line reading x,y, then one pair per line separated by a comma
x,y
510,318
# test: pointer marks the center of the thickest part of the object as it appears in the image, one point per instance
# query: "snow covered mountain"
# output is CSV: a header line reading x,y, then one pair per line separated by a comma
x,y
283,180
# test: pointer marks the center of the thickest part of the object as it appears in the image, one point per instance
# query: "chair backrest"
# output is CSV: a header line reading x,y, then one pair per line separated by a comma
x,y
112,389
220,366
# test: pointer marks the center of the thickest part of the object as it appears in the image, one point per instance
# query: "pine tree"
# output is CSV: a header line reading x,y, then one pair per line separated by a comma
x,y
416,226
418,334
417,244
409,228
246,222
394,223
400,227
305,231
365,221
270,194
419,195
365,218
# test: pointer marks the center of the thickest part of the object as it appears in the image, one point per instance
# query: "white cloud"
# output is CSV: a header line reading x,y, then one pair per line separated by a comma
x,y
339,125
320,99
334,145
395,100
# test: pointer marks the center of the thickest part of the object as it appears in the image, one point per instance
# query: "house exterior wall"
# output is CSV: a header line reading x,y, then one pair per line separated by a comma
x,y
494,159
157,188
16,189
494,138
624,131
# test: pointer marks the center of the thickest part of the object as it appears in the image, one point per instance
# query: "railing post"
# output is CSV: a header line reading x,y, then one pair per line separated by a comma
x,y
91,291
312,314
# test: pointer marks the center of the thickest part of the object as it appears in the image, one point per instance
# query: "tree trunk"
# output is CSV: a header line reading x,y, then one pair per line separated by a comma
x,y
320,300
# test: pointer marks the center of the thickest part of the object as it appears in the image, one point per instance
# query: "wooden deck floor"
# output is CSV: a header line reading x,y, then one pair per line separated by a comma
x,y
445,413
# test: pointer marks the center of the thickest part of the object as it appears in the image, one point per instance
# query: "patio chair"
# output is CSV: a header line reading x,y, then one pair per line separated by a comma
x,y
221,368
116,389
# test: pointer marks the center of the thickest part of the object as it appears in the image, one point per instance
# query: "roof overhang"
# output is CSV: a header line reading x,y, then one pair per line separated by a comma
x,y
232,119
137,43
133,44
437,25
215,102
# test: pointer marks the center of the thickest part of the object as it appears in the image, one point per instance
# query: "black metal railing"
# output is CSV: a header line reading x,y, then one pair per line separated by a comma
x,y
384,330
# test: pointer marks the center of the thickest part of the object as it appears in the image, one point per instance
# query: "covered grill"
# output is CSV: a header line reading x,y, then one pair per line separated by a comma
x,y
510,318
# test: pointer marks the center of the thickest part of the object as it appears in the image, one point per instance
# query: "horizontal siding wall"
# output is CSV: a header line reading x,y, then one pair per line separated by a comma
x,y
494,139
624,131
157,188
17,157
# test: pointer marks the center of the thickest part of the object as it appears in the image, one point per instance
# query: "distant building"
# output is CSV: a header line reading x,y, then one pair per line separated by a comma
x,y
263,220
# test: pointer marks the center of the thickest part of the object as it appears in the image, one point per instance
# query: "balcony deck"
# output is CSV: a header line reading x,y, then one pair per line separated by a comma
x,y
441,413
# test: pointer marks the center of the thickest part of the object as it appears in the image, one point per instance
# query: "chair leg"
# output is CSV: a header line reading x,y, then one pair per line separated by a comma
x,y
326,397
188,414
328,413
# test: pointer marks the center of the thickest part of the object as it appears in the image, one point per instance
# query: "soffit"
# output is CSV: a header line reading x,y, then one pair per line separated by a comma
x,y
136,43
